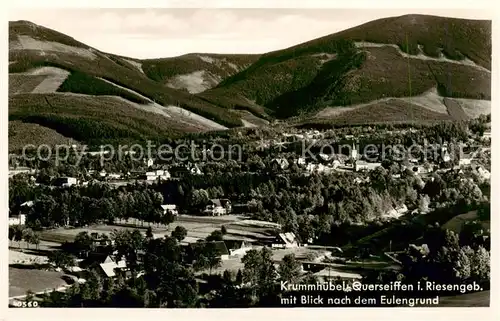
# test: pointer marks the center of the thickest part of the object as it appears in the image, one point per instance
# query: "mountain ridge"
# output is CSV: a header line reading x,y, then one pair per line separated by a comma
x,y
393,57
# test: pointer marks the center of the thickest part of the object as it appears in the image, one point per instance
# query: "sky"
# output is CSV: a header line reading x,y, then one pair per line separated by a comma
x,y
157,33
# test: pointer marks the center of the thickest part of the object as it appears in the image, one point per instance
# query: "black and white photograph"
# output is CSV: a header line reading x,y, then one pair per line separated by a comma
x,y
218,158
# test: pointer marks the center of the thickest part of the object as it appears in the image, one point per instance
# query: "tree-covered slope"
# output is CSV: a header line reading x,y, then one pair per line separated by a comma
x,y
393,57
32,46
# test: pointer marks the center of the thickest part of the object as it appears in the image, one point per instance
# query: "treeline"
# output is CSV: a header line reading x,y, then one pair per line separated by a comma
x,y
92,204
439,132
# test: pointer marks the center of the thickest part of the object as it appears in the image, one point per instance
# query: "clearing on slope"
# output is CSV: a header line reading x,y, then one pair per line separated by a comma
x,y
39,80
46,47
196,72
192,117
458,109
195,82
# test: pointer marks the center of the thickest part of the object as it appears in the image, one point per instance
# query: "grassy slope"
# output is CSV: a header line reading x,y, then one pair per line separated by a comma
x,y
292,80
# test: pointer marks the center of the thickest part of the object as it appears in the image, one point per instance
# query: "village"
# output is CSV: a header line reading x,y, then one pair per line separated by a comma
x,y
222,222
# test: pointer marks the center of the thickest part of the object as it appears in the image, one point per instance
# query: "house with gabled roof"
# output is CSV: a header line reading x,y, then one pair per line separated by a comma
x,y
465,159
220,247
217,207
237,247
281,163
285,240
172,208
110,268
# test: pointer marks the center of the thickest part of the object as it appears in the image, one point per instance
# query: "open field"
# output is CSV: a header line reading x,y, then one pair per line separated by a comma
x,y
22,280
457,223
430,100
61,235
18,257
198,227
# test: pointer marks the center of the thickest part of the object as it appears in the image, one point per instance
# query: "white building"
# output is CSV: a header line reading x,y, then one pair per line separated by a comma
x,y
237,247
281,163
21,170
158,174
114,176
149,162
445,154
300,161
17,220
354,152
465,160
65,181
320,168
109,267
172,208
483,172
218,207
362,165
397,212
285,240
195,170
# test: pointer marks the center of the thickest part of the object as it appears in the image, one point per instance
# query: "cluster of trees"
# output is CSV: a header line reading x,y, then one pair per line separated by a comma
x,y
314,203
406,134
95,203
452,258
18,233
79,82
